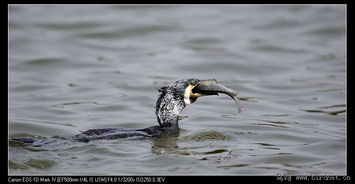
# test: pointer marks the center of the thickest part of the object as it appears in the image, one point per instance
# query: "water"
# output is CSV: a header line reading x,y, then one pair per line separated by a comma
x,y
78,67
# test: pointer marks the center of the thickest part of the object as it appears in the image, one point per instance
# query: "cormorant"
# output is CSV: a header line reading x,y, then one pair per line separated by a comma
x,y
171,101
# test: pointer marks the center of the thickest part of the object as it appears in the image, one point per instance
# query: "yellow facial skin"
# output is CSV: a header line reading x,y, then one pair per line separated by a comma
x,y
190,97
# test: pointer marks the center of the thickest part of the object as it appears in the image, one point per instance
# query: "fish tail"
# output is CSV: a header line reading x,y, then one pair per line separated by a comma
x,y
240,106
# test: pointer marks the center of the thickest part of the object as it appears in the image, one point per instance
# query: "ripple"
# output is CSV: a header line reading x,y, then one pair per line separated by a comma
x,y
276,115
19,120
206,135
217,151
274,48
333,106
62,105
127,33
70,25
268,146
40,164
333,113
125,7
233,166
203,41
44,61
328,31
249,99
15,165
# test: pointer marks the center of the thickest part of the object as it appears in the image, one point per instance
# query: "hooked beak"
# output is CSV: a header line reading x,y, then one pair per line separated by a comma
x,y
210,87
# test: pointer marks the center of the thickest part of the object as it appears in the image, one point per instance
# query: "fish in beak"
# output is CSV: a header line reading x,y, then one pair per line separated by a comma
x,y
211,87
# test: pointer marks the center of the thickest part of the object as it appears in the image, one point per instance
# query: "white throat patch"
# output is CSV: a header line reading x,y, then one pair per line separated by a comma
x,y
187,95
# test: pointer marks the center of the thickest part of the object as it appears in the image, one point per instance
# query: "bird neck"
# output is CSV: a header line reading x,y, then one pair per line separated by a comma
x,y
168,108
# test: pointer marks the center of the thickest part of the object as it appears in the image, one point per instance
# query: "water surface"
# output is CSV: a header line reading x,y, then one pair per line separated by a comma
x,y
78,67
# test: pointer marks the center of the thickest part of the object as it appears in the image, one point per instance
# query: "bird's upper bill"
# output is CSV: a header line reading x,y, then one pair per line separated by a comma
x,y
209,87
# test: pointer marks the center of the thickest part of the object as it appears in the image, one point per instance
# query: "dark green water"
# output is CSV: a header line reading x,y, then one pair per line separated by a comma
x,y
78,67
